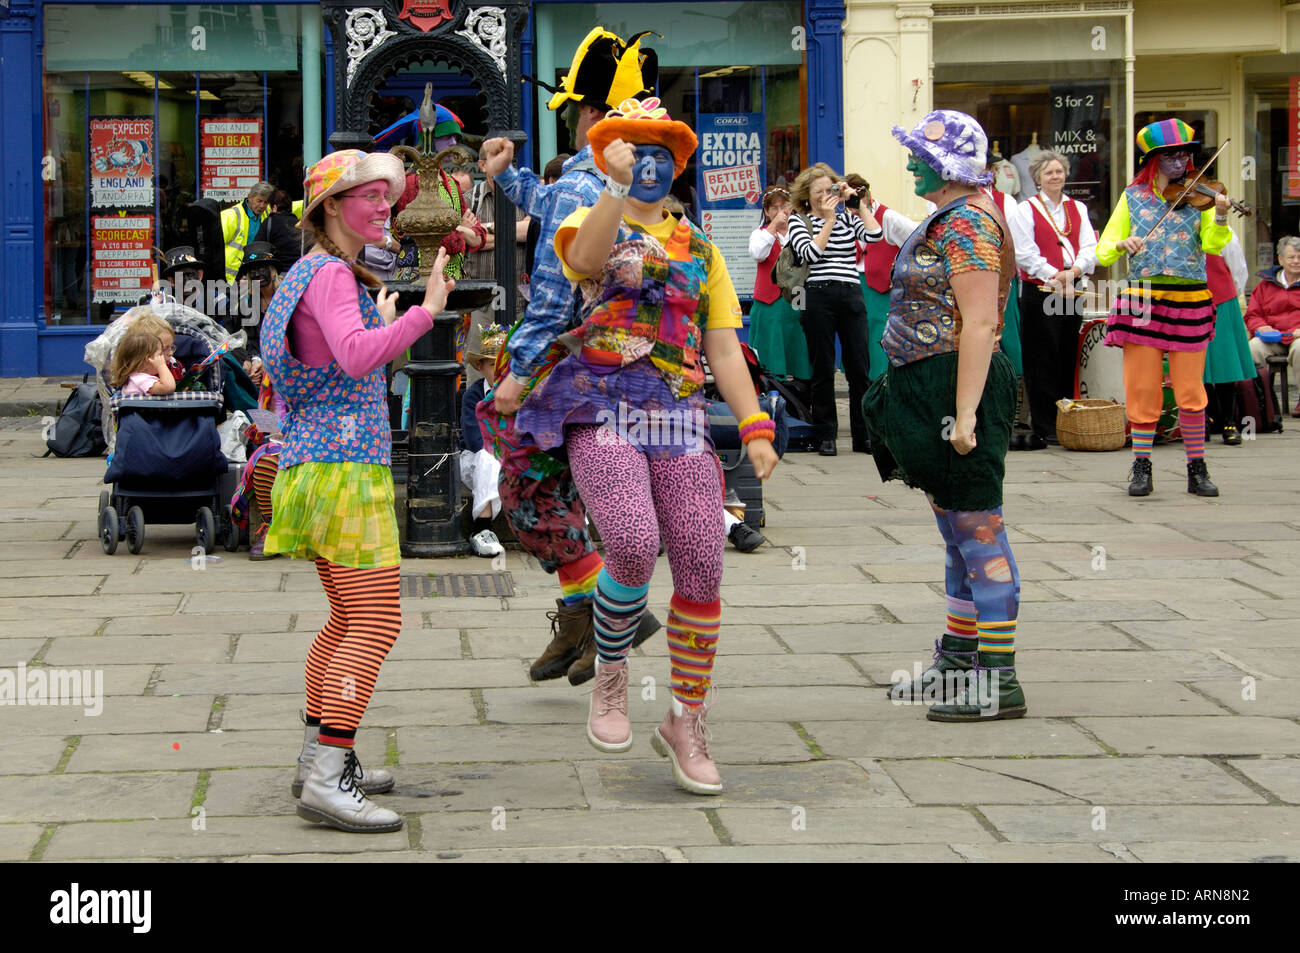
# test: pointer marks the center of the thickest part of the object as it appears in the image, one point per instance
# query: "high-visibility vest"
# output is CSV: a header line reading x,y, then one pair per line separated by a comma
x,y
234,231
296,208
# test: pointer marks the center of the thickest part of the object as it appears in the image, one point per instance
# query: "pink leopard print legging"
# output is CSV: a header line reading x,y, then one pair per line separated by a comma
x,y
634,501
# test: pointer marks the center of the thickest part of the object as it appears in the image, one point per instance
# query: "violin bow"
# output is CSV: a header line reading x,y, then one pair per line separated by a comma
x,y
1190,185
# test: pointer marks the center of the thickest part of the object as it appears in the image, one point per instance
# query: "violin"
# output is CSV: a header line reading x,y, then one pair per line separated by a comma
x,y
1201,196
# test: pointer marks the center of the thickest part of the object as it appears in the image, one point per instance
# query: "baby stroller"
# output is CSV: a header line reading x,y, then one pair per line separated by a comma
x,y
166,465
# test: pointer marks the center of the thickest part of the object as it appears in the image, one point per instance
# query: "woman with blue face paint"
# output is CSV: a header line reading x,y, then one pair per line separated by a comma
x,y
627,406
941,416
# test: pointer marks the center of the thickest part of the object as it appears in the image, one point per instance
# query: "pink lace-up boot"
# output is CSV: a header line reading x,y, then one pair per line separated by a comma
x,y
683,737
608,728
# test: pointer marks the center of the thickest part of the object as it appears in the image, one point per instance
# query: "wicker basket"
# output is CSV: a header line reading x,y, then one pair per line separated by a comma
x,y
1090,424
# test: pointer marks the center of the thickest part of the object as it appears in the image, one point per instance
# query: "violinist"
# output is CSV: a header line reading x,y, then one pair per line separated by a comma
x,y
1167,306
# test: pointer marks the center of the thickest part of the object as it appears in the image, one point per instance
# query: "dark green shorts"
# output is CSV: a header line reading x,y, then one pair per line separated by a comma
x,y
910,412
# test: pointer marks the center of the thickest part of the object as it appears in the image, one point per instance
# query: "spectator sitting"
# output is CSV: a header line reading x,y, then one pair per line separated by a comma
x,y
140,364
479,469
1275,306
258,279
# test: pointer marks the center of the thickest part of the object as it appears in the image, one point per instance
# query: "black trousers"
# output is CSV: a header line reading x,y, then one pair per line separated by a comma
x,y
836,308
1049,344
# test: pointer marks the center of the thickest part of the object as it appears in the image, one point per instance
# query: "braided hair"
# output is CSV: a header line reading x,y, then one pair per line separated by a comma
x,y
314,226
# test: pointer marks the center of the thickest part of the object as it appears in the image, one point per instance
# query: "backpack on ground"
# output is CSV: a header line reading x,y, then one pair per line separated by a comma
x,y
787,273
1257,406
79,431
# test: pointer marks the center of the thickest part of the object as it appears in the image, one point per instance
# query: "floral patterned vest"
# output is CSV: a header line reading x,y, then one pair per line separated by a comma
x,y
1176,250
330,417
649,300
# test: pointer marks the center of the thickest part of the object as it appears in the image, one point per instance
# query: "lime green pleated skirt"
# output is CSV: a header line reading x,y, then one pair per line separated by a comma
x,y
342,512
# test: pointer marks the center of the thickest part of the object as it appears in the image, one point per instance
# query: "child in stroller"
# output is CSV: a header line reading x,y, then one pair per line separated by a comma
x,y
166,464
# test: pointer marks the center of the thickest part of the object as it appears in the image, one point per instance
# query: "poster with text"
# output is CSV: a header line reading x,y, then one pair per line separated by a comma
x,y
121,162
731,173
121,257
1293,138
231,157
1081,133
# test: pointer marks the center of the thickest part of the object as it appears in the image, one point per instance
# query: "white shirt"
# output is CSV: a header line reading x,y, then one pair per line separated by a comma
x,y
1234,256
896,226
760,243
1028,256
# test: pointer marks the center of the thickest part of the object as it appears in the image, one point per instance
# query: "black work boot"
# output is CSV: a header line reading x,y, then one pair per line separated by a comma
x,y
951,654
991,692
571,627
1198,479
1139,478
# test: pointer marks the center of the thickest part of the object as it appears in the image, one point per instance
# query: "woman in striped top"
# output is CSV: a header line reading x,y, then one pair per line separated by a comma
x,y
824,237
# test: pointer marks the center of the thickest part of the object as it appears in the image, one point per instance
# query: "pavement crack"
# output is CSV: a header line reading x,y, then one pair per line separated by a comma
x,y
233,647
1191,687
38,852
39,657
1225,657
293,622
414,831
391,752
1016,777
719,829
1245,779
808,740
154,678
71,743
200,790
1090,736
480,706
217,712
466,651
984,822
76,548
857,666
1263,592
779,641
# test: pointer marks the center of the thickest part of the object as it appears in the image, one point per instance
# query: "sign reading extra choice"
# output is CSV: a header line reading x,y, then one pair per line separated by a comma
x,y
232,157
121,257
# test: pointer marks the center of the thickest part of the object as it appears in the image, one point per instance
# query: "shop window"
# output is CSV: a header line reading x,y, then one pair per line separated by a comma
x,y
128,90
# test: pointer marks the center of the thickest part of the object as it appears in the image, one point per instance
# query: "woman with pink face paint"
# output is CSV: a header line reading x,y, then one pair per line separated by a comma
x,y
324,345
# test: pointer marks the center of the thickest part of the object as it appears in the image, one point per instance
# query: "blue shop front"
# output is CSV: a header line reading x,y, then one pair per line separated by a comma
x,y
116,117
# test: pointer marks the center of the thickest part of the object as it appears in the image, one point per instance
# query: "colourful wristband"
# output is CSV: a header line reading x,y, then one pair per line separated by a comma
x,y
764,428
753,418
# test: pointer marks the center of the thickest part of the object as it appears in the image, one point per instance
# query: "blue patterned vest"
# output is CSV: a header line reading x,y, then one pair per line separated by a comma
x,y
1176,250
331,417
923,317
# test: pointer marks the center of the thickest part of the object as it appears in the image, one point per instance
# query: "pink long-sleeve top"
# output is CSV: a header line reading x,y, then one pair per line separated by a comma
x,y
326,326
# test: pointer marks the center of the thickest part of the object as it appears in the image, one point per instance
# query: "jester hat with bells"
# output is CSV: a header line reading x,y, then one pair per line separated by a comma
x,y
606,70
641,123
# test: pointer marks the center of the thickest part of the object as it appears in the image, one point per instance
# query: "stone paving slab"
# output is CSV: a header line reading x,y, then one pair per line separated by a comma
x,y
825,854
565,828
121,714
220,623
387,709
32,754
1280,776
35,586
1125,824
232,749
517,855
137,650
832,825
1068,665
1069,780
222,837
918,738
18,651
1037,854
1269,634
245,792
633,784
16,611
84,797
1072,699
1210,735
1266,697
1220,852
1272,661
17,841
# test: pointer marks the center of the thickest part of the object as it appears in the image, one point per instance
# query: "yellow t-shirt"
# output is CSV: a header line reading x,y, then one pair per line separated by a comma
x,y
724,306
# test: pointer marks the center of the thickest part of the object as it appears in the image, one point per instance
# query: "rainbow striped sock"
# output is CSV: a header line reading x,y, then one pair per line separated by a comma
x,y
1144,436
961,618
997,636
692,642
578,579
1192,424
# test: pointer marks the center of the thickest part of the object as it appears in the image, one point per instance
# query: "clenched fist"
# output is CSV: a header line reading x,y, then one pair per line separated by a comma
x,y
620,160
496,155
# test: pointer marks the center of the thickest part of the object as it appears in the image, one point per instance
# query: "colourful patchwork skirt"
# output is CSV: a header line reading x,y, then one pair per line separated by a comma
x,y
342,512
1163,313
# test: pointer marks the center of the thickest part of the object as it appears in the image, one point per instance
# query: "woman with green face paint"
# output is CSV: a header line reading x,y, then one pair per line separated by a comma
x,y
941,416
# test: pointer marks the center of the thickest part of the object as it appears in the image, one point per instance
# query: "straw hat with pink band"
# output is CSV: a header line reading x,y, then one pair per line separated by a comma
x,y
340,171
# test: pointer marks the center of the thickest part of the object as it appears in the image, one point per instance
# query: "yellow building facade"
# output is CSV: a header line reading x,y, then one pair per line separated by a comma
x,y
1081,77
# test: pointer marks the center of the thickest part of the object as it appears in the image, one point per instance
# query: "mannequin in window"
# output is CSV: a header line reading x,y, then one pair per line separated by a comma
x,y
1021,161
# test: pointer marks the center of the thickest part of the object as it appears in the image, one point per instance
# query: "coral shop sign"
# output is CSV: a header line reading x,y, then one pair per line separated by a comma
x,y
425,14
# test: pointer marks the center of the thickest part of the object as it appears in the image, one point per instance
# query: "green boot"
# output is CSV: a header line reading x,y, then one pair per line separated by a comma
x,y
951,654
991,692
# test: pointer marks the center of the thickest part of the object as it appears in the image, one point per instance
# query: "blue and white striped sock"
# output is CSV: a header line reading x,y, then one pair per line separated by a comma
x,y
618,610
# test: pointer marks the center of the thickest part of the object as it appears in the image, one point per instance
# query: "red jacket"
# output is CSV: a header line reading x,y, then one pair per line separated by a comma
x,y
1273,305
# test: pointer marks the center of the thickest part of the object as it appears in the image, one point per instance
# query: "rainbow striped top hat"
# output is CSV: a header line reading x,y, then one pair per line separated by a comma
x,y
1167,135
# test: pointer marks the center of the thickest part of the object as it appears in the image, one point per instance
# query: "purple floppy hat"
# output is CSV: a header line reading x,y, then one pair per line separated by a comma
x,y
952,143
